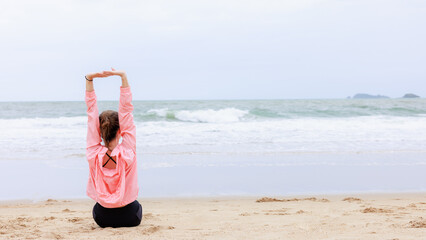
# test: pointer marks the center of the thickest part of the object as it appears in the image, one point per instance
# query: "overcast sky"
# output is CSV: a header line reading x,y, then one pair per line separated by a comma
x,y
221,49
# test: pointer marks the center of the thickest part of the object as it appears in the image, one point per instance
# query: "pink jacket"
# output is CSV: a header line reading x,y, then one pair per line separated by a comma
x,y
117,187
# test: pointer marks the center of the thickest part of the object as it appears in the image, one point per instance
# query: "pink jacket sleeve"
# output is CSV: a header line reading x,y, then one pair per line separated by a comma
x,y
127,126
93,134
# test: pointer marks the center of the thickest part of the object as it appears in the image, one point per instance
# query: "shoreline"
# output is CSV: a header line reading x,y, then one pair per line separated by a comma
x,y
70,181
318,216
385,194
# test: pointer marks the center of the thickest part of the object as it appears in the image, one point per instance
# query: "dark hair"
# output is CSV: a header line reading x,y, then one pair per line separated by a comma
x,y
109,125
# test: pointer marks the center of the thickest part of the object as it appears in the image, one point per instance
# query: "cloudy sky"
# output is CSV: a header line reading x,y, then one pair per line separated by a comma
x,y
221,49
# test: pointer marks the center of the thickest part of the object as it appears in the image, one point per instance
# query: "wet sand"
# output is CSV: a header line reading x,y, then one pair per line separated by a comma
x,y
350,216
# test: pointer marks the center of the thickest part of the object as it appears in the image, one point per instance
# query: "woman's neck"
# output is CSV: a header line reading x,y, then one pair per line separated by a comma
x,y
112,144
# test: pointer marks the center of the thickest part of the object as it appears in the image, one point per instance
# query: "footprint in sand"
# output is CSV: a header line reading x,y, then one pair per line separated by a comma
x,y
352,199
376,210
49,218
150,230
76,219
57,236
20,219
67,210
49,202
418,223
412,205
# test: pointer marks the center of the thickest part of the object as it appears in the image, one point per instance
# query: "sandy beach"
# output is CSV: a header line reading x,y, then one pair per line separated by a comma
x,y
351,216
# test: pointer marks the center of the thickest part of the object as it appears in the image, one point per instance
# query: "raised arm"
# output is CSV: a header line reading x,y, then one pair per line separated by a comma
x,y
125,109
93,134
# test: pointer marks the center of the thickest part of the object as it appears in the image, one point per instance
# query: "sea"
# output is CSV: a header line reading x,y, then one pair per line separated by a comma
x,y
224,147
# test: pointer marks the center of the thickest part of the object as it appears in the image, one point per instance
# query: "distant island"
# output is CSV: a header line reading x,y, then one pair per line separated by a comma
x,y
410,95
367,96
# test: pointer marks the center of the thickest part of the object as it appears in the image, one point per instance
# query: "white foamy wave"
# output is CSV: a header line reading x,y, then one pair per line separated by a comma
x,y
159,112
60,122
211,116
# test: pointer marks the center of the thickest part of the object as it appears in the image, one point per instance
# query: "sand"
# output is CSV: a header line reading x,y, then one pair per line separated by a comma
x,y
362,216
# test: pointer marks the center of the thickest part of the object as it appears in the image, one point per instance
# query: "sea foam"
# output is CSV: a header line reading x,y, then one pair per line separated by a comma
x,y
203,115
212,116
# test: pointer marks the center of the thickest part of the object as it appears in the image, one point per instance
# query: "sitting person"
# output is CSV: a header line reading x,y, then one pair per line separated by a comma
x,y
113,182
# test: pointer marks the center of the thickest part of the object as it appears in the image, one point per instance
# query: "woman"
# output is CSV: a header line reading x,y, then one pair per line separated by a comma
x,y
113,173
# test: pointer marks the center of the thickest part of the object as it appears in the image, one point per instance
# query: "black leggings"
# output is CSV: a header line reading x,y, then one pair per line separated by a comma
x,y
127,216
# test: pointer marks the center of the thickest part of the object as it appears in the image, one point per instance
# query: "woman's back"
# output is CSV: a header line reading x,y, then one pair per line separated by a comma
x,y
108,161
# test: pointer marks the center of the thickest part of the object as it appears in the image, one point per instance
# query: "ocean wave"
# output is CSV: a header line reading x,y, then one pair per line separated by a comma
x,y
212,116
59,122
217,111
203,116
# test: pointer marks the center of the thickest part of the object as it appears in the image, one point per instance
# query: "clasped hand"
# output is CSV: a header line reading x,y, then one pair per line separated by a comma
x,y
103,74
